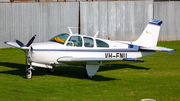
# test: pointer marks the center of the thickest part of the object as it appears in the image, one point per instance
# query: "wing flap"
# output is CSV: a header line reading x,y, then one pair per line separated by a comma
x,y
133,59
82,61
158,49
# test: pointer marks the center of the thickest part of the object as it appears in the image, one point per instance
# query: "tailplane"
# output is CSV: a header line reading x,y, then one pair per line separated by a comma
x,y
150,35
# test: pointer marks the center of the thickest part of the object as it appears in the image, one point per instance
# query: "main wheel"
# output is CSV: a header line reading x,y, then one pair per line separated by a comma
x,y
52,70
28,75
86,76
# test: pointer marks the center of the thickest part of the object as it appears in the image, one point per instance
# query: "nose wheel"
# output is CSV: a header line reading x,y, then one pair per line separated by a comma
x,y
29,72
28,75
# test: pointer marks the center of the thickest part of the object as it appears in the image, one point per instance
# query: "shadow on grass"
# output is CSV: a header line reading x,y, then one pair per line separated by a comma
x,y
65,71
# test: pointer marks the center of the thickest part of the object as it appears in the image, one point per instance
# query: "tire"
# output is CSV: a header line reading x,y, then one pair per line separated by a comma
x,y
51,70
28,75
86,75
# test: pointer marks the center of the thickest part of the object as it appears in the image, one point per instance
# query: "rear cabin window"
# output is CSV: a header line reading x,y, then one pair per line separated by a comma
x,y
88,42
100,43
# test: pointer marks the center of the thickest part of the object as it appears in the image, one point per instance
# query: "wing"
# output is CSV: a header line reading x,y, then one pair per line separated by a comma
x,y
14,44
158,49
84,61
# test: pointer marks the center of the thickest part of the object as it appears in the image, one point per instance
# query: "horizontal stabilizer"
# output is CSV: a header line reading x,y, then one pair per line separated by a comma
x,y
158,49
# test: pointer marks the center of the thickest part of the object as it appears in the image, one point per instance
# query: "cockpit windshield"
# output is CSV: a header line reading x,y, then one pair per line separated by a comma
x,y
61,38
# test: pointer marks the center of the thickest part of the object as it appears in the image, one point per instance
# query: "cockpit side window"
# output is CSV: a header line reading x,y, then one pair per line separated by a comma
x,y
100,43
88,42
61,38
75,41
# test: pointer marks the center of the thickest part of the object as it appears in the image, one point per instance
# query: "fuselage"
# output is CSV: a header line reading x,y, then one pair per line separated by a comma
x,y
80,46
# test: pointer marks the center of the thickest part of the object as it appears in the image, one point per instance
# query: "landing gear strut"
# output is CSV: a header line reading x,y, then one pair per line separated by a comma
x,y
51,70
91,68
86,75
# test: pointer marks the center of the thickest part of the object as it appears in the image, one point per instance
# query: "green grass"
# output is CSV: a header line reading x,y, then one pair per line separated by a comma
x,y
158,78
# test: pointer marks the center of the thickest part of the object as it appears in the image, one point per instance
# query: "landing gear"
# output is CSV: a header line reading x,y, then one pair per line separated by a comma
x,y
51,70
28,75
29,72
91,69
86,75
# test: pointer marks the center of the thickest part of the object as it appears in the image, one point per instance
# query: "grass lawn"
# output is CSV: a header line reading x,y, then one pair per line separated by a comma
x,y
158,78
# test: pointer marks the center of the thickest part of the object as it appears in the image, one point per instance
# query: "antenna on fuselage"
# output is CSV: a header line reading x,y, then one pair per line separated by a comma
x,y
96,34
70,31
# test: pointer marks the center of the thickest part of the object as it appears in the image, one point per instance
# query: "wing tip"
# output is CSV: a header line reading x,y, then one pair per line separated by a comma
x,y
172,51
6,42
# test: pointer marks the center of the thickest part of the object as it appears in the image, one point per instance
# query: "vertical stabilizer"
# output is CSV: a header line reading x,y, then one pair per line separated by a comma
x,y
150,35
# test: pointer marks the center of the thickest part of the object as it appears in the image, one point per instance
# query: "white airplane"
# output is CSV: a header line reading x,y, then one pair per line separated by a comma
x,y
91,52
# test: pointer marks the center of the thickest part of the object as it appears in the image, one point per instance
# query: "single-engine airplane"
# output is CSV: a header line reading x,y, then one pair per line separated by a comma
x,y
91,52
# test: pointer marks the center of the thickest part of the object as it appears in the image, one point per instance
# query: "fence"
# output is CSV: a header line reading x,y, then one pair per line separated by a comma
x,y
121,20
23,20
117,20
169,13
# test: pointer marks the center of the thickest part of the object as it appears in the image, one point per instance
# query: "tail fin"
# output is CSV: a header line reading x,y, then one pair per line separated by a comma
x,y
150,35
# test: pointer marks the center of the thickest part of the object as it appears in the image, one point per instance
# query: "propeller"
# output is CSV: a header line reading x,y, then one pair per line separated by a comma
x,y
25,47
19,43
28,44
31,41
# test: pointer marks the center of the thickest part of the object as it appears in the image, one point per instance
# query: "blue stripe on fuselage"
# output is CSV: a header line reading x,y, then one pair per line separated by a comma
x,y
91,50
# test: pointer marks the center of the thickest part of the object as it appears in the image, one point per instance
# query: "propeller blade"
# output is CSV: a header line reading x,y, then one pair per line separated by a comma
x,y
31,41
19,43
